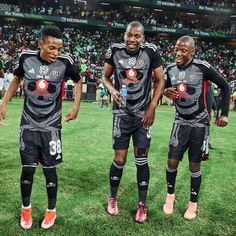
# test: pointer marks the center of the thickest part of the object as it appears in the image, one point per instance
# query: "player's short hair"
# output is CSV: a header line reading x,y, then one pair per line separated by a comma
x,y
187,39
52,31
135,24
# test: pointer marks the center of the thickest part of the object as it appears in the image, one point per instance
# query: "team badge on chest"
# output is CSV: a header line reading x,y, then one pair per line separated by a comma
x,y
132,61
55,73
181,75
43,70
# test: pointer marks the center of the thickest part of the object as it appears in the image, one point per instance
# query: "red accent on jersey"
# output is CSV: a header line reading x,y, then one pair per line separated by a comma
x,y
42,85
131,73
182,88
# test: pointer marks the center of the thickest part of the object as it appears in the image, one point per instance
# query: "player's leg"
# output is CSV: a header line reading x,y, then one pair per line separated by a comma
x,y
51,156
141,140
29,156
177,147
121,139
51,186
198,148
143,176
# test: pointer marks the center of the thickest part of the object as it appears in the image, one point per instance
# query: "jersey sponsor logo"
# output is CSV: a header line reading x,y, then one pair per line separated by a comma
x,y
132,61
131,73
43,70
31,71
182,88
131,76
55,73
42,85
172,78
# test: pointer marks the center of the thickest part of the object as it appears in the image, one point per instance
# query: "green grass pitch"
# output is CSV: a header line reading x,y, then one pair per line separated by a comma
x,y
84,186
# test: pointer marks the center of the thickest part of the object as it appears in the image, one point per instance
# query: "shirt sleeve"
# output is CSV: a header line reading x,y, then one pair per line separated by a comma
x,y
72,71
168,83
109,56
213,75
19,70
155,59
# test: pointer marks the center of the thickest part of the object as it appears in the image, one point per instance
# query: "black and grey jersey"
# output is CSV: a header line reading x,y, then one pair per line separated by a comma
x,y
134,70
191,84
43,89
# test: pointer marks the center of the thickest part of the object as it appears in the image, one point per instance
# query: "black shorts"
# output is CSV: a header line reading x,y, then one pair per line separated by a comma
x,y
184,137
43,147
126,126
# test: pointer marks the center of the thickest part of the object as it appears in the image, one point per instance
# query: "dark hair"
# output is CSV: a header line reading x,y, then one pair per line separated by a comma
x,y
187,39
135,24
52,31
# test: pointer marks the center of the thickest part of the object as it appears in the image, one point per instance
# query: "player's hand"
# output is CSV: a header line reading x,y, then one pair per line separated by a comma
x,y
148,117
171,93
117,98
71,115
222,121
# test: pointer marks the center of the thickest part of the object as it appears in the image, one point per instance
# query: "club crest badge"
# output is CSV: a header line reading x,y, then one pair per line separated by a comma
x,y
43,70
191,77
132,61
181,75
141,62
55,73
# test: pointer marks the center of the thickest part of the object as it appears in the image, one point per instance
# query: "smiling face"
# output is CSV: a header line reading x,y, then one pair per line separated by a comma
x,y
183,53
133,37
50,48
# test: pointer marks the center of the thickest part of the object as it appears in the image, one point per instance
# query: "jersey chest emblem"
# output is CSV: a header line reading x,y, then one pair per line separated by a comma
x,y
182,88
132,61
131,73
43,70
42,85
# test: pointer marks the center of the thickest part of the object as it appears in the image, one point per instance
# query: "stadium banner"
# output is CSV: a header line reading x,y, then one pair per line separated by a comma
x,y
196,8
113,25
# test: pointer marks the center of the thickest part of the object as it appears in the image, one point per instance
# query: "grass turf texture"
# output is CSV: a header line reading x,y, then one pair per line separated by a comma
x,y
84,186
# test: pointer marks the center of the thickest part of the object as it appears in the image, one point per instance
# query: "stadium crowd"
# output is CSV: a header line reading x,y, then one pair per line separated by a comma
x,y
166,19
88,49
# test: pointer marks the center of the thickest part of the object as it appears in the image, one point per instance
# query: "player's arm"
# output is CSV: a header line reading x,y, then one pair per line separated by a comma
x,y
15,84
221,82
107,72
73,113
73,72
159,82
170,92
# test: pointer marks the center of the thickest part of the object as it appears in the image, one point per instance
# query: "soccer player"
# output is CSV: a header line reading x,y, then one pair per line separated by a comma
x,y
187,79
132,62
40,129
